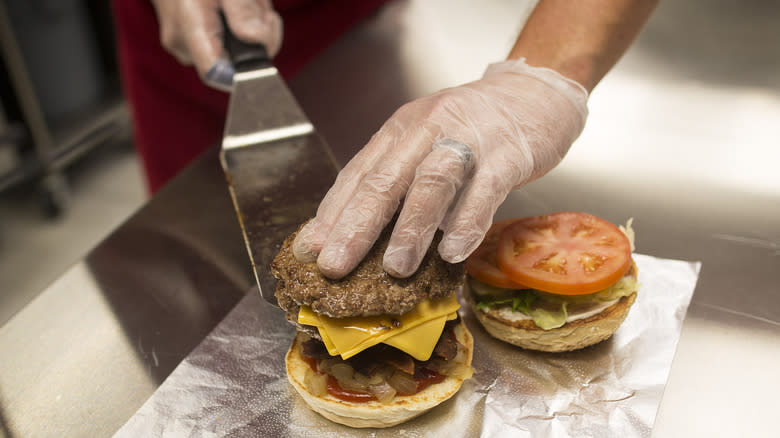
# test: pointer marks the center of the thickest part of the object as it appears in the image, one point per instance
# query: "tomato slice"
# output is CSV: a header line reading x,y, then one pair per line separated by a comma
x,y
564,253
482,264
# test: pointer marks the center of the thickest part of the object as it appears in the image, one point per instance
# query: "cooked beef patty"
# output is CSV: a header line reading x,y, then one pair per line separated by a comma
x,y
368,289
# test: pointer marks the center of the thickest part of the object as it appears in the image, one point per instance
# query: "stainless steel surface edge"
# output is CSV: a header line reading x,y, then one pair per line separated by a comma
x,y
692,158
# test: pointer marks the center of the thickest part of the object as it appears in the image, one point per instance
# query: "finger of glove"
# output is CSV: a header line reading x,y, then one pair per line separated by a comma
x,y
254,21
465,226
311,238
540,129
203,38
435,184
176,21
374,204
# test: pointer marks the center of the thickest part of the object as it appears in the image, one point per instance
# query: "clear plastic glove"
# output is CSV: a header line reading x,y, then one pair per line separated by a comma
x,y
191,30
454,156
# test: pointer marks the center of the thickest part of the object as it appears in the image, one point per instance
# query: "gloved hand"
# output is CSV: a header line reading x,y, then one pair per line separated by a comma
x,y
454,155
191,30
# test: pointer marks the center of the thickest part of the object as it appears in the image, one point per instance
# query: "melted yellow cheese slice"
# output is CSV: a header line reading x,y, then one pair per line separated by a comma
x,y
415,332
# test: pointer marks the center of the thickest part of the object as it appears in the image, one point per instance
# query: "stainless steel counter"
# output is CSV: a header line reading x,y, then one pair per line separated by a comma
x,y
678,138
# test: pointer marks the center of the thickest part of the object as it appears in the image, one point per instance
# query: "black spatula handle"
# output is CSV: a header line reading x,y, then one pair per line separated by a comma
x,y
243,55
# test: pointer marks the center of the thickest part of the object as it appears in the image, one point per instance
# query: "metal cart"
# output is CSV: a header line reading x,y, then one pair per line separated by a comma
x,y
40,133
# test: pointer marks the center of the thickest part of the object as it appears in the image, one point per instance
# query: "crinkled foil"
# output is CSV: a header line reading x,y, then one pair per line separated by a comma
x,y
234,382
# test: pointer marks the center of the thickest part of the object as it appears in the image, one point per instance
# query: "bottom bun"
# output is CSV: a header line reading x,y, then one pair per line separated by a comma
x,y
375,413
573,335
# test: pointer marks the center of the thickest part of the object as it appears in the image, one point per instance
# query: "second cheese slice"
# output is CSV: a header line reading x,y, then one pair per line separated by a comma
x,y
420,341
415,332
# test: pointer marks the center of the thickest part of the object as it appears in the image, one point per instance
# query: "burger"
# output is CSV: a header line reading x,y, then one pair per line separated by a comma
x,y
556,282
372,350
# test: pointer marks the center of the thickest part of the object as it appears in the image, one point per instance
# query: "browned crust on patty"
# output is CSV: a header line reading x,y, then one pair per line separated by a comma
x,y
368,289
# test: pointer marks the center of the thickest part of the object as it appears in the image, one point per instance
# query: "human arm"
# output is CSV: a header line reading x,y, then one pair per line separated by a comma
x,y
453,156
581,40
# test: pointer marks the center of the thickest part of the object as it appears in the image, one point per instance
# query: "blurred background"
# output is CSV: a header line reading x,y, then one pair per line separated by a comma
x,y
68,173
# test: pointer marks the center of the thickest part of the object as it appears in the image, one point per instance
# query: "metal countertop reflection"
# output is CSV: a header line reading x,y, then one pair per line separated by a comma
x,y
678,139
88,351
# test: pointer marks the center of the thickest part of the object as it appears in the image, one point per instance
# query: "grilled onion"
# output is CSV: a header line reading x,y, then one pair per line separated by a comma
x,y
441,366
462,371
341,371
316,383
361,378
385,372
462,355
374,379
383,392
326,364
403,383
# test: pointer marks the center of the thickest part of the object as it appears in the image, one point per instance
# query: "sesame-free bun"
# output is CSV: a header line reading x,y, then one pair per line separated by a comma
x,y
375,413
571,336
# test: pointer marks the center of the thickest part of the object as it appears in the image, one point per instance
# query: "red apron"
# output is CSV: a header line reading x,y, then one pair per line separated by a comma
x,y
176,116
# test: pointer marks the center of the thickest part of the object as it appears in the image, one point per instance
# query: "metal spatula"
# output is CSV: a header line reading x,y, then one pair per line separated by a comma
x,y
277,167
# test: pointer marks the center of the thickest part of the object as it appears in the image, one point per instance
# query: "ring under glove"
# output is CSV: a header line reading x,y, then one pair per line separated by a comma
x,y
453,157
191,30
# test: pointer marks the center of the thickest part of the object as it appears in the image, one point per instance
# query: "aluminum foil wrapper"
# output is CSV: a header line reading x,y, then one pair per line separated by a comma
x,y
234,382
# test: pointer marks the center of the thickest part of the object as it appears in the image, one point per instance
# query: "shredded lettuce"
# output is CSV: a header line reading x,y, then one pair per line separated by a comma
x,y
547,319
521,302
623,288
629,232
537,304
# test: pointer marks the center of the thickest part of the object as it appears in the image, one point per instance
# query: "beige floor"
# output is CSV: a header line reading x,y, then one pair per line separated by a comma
x,y
106,187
